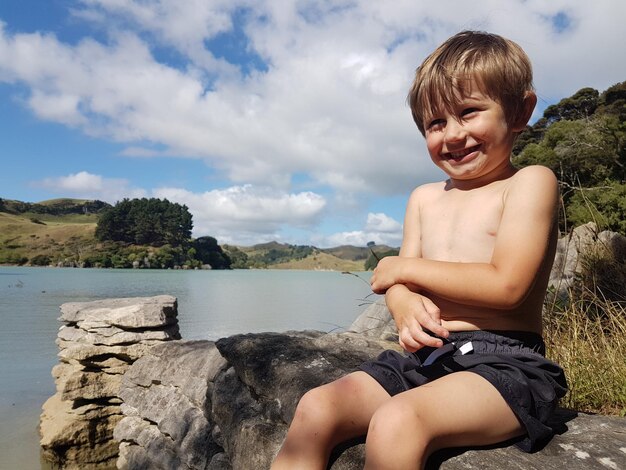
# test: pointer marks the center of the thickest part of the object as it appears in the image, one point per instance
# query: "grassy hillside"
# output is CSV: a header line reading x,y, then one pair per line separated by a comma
x,y
62,231
320,260
274,255
24,236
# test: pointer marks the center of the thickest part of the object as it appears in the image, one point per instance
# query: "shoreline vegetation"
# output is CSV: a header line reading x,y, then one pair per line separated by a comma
x,y
68,233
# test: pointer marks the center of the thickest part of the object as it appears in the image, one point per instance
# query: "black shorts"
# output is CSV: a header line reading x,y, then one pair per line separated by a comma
x,y
512,361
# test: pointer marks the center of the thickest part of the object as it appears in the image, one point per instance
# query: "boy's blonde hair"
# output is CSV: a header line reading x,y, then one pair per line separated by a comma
x,y
498,67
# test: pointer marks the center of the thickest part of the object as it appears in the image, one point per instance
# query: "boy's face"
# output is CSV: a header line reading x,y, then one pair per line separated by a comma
x,y
472,140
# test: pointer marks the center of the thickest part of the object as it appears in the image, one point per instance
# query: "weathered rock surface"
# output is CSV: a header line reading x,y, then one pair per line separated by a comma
x,y
227,402
254,383
167,407
574,249
98,342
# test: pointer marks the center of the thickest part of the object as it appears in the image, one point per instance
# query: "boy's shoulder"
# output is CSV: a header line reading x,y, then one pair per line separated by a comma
x,y
533,176
427,192
530,178
534,171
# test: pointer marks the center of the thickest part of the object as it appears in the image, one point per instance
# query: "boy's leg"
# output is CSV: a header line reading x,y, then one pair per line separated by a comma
x,y
460,409
326,416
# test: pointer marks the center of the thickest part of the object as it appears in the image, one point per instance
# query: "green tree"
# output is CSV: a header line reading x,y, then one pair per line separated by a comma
x,y
239,259
146,222
209,252
605,205
579,152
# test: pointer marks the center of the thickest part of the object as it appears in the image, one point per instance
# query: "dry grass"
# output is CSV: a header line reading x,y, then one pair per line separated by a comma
x,y
586,335
592,350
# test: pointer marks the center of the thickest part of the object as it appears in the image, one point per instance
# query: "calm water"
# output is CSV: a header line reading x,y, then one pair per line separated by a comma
x,y
211,304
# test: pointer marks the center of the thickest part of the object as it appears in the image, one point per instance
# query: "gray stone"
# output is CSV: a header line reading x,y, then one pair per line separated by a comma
x,y
137,312
85,352
167,406
98,342
376,322
573,250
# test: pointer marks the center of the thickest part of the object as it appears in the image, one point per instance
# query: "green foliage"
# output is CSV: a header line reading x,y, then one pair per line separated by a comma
x,y
373,259
206,250
53,207
605,205
581,153
238,258
144,221
13,258
275,253
583,140
580,105
41,260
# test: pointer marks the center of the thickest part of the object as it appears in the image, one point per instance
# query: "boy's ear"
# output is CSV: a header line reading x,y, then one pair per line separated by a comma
x,y
530,100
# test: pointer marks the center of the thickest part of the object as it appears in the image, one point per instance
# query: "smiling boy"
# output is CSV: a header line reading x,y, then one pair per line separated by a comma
x,y
467,289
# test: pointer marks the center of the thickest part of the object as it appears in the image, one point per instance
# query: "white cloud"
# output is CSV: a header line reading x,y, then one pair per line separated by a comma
x,y
381,223
89,186
247,214
379,228
242,215
329,99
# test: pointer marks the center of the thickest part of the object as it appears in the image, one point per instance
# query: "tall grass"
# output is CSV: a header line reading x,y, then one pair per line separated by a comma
x,y
586,335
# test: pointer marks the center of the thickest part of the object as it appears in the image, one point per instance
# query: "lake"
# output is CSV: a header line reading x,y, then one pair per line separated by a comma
x,y
211,305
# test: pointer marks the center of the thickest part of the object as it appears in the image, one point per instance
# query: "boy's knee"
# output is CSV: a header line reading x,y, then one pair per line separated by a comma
x,y
314,406
395,420
396,432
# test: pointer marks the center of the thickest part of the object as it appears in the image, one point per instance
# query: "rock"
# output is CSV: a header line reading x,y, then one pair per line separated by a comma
x,y
254,383
574,249
376,322
129,313
98,342
167,407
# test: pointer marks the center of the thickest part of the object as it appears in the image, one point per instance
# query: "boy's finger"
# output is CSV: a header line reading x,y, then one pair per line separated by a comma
x,y
431,308
407,341
423,338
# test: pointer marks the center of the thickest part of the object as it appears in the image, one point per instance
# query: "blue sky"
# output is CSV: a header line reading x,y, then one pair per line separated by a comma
x,y
271,120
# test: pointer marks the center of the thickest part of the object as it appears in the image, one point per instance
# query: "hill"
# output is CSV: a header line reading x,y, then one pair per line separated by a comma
x,y
61,232
55,207
320,261
274,255
26,236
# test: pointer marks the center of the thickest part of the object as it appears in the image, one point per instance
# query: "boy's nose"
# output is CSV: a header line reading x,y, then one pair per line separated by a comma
x,y
454,131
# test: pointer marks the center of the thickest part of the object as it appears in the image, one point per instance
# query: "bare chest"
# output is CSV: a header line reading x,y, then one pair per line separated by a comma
x,y
461,226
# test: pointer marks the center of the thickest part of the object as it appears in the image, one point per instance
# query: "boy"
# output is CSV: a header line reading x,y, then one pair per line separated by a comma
x,y
467,289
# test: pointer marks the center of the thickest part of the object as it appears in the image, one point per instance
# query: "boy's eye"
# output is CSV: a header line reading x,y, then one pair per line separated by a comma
x,y
468,112
436,124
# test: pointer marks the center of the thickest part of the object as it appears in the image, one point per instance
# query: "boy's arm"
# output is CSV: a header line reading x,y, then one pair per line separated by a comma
x,y
412,311
520,247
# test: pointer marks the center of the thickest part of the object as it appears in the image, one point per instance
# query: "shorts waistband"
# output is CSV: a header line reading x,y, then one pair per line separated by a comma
x,y
499,341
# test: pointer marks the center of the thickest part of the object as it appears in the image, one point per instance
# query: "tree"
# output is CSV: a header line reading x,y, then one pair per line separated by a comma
x,y
239,259
580,105
581,153
209,252
605,205
146,222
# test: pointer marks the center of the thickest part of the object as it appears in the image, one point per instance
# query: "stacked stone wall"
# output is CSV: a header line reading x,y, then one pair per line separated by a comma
x,y
98,341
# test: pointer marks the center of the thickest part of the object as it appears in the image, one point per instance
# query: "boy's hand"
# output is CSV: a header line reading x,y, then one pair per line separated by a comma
x,y
387,273
413,313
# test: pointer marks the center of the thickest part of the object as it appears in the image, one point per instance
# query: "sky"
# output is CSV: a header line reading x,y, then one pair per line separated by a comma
x,y
269,119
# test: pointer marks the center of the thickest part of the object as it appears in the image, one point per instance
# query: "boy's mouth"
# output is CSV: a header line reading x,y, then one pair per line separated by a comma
x,y
460,154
